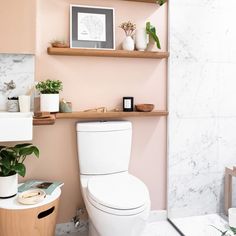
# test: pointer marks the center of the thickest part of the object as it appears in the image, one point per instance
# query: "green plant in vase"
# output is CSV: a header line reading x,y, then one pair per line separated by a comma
x,y
151,31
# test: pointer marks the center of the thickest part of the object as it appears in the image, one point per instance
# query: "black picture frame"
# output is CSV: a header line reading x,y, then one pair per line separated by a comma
x,y
98,27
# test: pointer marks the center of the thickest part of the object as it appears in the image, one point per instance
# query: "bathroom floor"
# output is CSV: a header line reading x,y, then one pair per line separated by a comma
x,y
201,225
160,228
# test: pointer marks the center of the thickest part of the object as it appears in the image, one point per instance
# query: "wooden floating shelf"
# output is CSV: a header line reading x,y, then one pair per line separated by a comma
x,y
45,121
104,115
147,1
106,53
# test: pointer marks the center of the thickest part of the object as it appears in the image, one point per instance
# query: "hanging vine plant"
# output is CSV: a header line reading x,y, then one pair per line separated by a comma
x,y
161,2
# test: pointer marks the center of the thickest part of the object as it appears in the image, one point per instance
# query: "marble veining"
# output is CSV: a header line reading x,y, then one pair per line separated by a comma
x,y
202,105
18,68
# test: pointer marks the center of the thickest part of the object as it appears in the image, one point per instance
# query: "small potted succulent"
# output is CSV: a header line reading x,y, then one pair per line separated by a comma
x,y
49,95
11,164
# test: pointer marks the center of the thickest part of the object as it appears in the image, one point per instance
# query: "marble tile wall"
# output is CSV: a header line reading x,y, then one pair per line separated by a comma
x,y
20,70
202,104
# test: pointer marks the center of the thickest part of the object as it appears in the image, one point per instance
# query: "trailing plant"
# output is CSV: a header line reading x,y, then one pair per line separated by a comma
x,y
161,2
49,86
12,158
230,232
151,31
128,27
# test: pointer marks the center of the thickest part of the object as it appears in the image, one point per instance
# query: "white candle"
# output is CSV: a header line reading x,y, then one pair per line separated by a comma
x,y
232,217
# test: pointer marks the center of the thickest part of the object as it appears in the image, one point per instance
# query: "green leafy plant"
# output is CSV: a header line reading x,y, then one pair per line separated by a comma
x,y
49,86
12,158
151,31
161,2
230,232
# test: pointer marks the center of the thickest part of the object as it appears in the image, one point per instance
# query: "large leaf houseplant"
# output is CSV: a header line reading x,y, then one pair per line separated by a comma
x,y
49,98
12,164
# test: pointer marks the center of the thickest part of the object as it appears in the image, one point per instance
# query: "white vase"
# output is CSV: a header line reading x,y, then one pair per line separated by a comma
x,y
8,186
49,102
128,44
141,39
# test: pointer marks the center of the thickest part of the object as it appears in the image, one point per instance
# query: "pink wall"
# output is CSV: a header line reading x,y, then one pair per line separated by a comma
x,y
90,82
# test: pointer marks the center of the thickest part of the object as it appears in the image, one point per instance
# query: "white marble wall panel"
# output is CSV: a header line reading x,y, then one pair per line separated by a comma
x,y
202,104
19,69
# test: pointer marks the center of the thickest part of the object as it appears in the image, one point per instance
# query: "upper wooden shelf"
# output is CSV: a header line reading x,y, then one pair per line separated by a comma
x,y
104,115
147,1
106,53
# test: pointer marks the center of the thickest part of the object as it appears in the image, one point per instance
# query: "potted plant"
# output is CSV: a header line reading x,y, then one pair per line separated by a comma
x,y
49,95
161,2
151,31
11,164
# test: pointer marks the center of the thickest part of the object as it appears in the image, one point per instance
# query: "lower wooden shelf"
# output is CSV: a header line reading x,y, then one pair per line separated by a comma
x,y
96,115
45,121
104,115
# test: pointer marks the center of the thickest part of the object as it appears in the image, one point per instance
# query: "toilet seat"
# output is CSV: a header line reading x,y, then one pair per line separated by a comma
x,y
119,194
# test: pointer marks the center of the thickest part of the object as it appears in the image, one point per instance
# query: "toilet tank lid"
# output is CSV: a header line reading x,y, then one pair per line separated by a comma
x,y
103,126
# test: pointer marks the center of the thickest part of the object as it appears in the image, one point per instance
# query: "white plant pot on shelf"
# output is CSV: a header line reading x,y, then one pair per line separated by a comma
x,y
8,186
49,102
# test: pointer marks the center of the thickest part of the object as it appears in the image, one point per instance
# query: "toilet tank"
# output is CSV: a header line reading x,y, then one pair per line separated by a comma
x,y
104,147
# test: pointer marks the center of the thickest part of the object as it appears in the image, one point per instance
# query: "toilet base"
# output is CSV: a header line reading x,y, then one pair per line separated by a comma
x,y
92,230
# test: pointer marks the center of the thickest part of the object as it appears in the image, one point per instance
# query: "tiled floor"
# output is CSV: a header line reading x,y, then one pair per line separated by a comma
x,y
160,228
201,225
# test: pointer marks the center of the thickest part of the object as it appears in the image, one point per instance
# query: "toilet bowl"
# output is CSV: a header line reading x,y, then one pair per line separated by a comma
x,y
117,202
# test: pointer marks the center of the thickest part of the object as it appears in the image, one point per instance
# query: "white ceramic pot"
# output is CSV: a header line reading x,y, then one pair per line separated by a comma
x,y
141,39
49,102
128,44
8,186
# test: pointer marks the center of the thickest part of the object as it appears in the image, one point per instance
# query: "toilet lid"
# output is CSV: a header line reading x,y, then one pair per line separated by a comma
x,y
118,191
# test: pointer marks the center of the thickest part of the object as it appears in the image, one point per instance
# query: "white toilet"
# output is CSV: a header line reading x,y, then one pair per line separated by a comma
x,y
118,203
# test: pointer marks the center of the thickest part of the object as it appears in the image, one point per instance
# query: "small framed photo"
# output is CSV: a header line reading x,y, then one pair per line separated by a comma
x,y
92,27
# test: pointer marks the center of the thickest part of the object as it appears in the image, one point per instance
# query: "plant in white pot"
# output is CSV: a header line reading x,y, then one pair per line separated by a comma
x,y
153,38
49,95
11,164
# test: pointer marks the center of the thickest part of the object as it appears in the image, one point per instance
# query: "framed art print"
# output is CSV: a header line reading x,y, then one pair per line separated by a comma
x,y
91,27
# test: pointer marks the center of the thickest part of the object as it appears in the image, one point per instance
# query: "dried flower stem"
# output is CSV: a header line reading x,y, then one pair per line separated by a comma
x,y
128,27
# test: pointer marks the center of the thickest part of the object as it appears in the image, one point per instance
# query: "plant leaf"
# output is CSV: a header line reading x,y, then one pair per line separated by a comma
x,y
36,151
1,147
4,171
8,154
6,163
23,145
233,230
26,151
20,169
151,30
